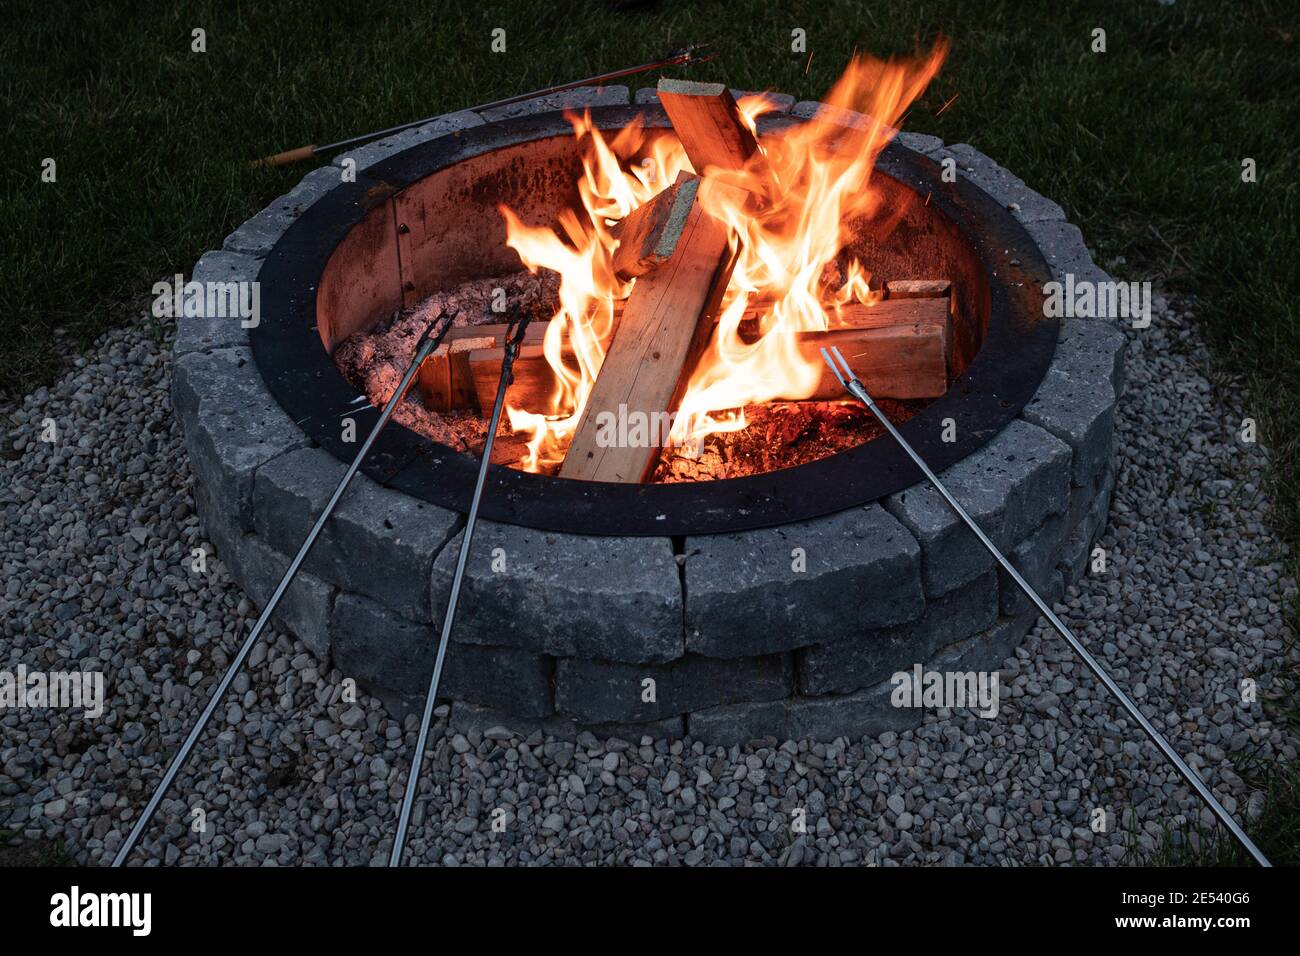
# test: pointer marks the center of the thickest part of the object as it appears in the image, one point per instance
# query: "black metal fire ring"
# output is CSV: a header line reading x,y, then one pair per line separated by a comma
x,y
1005,374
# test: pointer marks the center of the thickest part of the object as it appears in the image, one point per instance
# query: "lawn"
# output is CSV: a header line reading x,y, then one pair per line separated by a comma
x,y
1142,144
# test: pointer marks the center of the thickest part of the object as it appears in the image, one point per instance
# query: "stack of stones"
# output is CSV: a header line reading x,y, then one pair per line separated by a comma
x,y
788,632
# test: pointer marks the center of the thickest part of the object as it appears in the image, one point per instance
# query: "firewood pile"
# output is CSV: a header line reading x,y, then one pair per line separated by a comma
x,y
681,258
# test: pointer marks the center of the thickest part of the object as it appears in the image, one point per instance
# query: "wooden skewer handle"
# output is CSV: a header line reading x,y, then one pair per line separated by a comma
x,y
287,157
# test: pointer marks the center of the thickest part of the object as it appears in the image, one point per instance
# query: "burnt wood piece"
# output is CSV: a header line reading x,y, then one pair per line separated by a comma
x,y
917,288
444,380
897,348
648,234
708,123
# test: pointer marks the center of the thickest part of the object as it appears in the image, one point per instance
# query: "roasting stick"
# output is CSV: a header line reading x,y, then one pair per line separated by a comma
x,y
686,56
428,342
513,339
855,388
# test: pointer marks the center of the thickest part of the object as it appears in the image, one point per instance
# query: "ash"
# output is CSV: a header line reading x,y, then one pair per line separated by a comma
x,y
374,360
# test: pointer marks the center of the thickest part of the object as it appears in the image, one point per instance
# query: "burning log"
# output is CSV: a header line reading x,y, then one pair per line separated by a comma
x,y
649,234
681,258
707,121
899,347
666,321
663,329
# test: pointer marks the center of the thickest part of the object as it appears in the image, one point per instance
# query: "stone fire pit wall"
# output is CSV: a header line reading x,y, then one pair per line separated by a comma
x,y
563,632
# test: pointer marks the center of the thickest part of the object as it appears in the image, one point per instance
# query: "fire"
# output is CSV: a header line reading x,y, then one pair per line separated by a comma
x,y
805,184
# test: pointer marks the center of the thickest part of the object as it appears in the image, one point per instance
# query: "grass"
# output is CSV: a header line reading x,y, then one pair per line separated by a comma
x,y
15,852
1142,144
1275,831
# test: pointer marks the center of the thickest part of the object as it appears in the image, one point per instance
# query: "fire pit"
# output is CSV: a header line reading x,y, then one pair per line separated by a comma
x,y
778,603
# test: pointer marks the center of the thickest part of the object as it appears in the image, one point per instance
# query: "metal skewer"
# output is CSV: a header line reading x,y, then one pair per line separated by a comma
x,y
427,343
855,388
514,338
686,56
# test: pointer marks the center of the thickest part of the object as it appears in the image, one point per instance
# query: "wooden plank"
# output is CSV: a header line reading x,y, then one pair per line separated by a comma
x,y
899,362
706,120
648,235
928,288
665,324
897,352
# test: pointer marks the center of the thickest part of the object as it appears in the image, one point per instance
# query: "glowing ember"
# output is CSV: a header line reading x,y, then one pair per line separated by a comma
x,y
804,185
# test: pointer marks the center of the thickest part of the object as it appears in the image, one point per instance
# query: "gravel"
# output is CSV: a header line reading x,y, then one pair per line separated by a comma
x,y
96,550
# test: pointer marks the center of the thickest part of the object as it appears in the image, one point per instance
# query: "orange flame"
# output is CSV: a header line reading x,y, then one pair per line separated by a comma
x,y
813,179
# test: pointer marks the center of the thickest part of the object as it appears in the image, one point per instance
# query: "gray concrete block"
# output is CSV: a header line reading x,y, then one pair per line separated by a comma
x,y
379,542
203,333
1007,188
1092,348
307,605
305,609
501,677
993,647
864,713
1035,558
367,155
745,598
1077,551
1009,487
232,425
258,235
469,718
1073,562
733,724
865,660
575,99
1076,400
1062,245
922,143
378,647
646,96
594,691
986,651
566,595
1079,410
